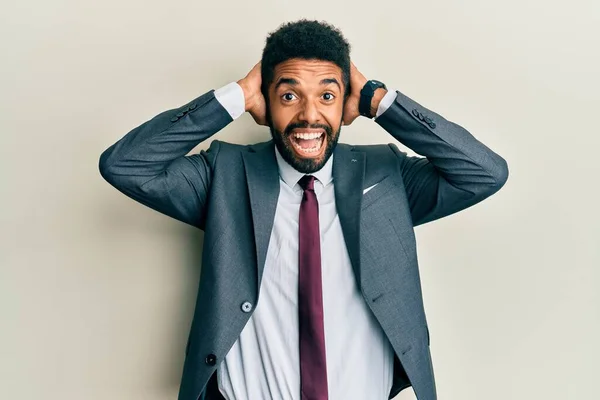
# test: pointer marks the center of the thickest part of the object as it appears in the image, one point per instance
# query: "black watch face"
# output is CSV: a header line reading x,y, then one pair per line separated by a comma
x,y
378,83
371,86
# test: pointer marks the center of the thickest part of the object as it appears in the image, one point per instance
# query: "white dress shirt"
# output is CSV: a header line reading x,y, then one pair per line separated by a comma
x,y
263,363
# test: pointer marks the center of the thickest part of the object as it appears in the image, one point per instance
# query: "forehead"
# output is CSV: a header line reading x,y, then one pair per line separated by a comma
x,y
306,70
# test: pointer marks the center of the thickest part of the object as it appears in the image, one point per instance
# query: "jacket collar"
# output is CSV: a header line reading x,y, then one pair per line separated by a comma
x,y
291,176
347,169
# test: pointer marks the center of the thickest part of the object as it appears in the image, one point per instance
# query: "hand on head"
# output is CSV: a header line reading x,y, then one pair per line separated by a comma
x,y
256,104
357,81
255,101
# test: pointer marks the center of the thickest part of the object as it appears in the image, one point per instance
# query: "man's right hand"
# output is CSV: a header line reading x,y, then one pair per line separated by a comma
x,y
255,101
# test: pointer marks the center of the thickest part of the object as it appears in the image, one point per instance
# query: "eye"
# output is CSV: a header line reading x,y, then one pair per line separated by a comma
x,y
288,96
328,96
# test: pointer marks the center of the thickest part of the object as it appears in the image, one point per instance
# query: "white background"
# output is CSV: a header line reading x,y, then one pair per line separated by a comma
x,y
97,291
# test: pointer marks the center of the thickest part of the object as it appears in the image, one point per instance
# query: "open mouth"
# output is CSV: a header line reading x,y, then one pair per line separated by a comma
x,y
308,143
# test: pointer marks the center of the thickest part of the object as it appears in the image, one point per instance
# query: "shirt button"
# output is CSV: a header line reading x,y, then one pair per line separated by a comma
x,y
246,306
211,359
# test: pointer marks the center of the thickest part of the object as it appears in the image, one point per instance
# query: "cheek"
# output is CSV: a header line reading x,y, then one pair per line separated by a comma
x,y
281,117
334,117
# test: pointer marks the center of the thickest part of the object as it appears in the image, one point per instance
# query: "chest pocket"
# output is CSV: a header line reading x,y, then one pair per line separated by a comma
x,y
386,218
381,188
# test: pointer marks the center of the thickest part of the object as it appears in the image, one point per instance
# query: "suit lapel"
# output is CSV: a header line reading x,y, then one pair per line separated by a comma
x,y
262,175
348,177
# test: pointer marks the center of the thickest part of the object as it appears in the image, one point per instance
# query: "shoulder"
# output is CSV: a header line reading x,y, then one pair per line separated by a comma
x,y
226,153
380,159
227,149
386,151
374,149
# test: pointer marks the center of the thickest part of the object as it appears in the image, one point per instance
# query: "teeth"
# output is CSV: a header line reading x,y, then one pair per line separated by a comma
x,y
307,136
309,150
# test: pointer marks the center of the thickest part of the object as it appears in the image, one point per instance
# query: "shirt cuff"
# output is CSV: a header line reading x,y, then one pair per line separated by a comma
x,y
231,97
386,102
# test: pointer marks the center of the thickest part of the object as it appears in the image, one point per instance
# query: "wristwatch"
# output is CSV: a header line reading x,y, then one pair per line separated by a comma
x,y
366,95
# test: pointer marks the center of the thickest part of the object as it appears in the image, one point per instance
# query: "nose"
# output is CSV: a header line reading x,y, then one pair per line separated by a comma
x,y
309,112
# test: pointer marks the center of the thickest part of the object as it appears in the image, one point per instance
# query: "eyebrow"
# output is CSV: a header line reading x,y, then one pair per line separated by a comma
x,y
293,82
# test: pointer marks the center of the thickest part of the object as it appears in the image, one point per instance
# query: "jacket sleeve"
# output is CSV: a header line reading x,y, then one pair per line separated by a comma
x,y
149,164
456,172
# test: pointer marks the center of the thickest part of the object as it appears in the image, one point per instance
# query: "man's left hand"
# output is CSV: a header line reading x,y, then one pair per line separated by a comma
x,y
357,81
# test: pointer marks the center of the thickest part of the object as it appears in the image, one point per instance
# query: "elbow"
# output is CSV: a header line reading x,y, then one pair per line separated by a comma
x,y
103,167
501,174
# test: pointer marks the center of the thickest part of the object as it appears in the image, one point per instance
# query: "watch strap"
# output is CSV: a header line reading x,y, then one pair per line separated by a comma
x,y
366,97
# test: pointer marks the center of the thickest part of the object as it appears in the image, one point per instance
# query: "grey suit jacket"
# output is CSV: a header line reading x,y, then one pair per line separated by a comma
x,y
230,191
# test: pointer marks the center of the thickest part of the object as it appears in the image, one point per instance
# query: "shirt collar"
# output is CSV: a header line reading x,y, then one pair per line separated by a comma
x,y
291,176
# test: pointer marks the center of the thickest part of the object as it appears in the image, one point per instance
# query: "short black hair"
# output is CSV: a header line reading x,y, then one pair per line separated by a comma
x,y
305,39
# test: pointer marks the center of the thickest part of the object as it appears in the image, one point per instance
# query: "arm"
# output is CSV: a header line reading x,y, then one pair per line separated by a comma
x,y
457,171
149,164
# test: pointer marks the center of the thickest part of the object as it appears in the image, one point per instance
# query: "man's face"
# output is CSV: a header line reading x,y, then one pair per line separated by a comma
x,y
306,102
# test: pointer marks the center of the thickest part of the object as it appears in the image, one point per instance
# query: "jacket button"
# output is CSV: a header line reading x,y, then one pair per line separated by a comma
x,y
193,105
211,359
174,119
415,112
421,117
246,306
432,125
179,114
428,120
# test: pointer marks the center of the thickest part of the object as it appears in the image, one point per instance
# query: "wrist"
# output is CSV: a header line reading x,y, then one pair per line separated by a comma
x,y
249,96
378,95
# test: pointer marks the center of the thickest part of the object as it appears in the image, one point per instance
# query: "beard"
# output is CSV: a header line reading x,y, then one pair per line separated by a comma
x,y
306,165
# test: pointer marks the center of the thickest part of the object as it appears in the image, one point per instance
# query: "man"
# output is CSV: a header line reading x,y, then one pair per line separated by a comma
x,y
310,286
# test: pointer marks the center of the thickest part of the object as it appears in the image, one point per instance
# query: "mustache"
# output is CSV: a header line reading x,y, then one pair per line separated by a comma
x,y
297,125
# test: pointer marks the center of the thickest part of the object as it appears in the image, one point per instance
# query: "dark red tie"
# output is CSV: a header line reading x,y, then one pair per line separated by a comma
x,y
313,367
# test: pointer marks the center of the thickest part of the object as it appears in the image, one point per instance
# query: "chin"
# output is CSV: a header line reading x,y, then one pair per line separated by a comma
x,y
306,153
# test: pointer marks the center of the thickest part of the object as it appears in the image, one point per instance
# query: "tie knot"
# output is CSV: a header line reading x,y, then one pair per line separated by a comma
x,y
307,182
